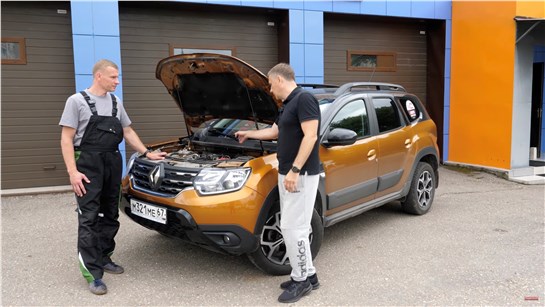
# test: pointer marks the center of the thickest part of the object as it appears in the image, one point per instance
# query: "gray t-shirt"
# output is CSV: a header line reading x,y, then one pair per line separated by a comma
x,y
77,113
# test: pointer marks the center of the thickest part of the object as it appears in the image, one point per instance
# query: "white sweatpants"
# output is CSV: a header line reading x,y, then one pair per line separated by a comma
x,y
295,217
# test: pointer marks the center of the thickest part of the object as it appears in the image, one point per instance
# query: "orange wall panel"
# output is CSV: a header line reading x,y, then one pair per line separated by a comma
x,y
535,8
482,69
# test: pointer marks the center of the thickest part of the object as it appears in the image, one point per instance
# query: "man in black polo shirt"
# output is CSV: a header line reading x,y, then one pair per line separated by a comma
x,y
298,165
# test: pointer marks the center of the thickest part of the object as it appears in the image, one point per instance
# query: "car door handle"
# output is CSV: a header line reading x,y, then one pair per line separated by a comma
x,y
371,154
408,143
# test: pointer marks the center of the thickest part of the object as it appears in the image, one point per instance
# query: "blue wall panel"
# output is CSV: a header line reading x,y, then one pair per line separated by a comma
x,y
445,146
323,6
297,58
258,3
297,26
105,18
108,47
369,7
296,5
84,54
398,8
224,2
314,60
423,9
448,34
443,9
351,7
314,27
82,22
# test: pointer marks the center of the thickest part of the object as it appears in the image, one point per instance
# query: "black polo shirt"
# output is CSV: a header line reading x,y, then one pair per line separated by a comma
x,y
298,107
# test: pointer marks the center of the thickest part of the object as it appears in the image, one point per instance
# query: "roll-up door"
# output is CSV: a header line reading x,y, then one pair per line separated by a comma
x,y
390,49
34,91
149,31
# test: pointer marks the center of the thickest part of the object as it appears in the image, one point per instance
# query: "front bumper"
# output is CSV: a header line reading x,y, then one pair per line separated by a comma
x,y
229,239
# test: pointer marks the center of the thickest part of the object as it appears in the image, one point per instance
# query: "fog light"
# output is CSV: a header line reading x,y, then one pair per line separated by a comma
x,y
226,239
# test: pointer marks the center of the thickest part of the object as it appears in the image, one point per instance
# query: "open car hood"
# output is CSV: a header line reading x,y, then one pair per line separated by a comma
x,y
207,86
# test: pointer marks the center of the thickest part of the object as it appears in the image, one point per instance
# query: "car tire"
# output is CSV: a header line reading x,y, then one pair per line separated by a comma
x,y
270,257
422,191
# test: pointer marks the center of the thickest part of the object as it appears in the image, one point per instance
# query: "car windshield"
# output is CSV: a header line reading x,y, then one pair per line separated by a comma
x,y
224,129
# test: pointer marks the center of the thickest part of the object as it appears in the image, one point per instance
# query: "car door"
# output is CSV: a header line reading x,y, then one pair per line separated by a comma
x,y
350,170
394,146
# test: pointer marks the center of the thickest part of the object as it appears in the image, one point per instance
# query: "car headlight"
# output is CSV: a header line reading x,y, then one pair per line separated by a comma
x,y
131,161
216,181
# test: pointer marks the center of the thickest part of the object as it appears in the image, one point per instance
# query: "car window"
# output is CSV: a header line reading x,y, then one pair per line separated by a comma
x,y
387,114
352,116
410,109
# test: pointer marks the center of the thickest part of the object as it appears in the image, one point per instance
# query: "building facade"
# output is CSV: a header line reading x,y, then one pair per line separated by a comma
x,y
474,84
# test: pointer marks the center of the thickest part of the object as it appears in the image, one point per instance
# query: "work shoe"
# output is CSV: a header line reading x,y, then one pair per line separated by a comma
x,y
295,291
313,281
113,268
98,287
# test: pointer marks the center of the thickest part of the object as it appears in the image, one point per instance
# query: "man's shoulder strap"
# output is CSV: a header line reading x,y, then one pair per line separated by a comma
x,y
90,102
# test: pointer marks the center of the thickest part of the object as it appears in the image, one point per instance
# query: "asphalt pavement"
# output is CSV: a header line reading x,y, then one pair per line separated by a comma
x,y
481,244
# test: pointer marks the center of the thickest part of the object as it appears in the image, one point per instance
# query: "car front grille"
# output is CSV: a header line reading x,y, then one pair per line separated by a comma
x,y
173,179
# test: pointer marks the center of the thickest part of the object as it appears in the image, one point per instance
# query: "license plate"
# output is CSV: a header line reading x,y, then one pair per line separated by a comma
x,y
150,212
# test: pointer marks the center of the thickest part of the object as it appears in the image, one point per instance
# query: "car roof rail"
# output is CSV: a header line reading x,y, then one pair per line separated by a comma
x,y
317,85
378,86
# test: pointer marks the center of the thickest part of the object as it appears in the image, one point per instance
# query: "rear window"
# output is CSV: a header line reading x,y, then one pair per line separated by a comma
x,y
387,114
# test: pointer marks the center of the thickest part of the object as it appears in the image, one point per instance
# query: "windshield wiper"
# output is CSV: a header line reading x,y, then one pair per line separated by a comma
x,y
216,131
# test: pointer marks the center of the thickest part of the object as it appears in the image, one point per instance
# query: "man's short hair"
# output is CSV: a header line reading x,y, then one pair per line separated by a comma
x,y
102,64
283,70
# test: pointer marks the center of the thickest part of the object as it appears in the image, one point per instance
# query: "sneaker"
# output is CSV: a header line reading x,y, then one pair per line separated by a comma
x,y
313,281
98,287
295,291
113,268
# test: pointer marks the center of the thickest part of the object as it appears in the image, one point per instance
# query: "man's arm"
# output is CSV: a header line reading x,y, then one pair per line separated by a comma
x,y
67,147
310,128
263,134
134,141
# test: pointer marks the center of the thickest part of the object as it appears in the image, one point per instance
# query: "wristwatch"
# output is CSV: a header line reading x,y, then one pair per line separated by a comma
x,y
295,169
146,152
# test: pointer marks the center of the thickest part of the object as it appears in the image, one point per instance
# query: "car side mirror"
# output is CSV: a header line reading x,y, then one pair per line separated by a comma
x,y
340,137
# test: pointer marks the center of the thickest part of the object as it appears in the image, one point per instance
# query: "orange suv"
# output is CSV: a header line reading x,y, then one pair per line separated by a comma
x,y
377,145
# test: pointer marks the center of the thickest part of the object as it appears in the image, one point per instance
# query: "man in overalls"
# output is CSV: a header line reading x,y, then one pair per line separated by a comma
x,y
94,122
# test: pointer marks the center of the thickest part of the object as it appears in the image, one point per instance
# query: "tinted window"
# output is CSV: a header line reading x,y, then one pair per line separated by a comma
x,y
387,114
352,116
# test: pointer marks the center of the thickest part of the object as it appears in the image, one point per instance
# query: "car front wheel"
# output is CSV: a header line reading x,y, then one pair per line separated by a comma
x,y
271,256
420,197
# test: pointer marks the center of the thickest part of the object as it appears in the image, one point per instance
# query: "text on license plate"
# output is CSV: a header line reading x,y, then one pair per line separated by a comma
x,y
148,211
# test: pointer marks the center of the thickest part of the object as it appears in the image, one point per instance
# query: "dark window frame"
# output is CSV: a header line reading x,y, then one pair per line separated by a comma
x,y
22,60
381,65
211,48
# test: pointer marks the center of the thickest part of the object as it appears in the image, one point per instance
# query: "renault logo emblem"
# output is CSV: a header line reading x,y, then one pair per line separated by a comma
x,y
156,176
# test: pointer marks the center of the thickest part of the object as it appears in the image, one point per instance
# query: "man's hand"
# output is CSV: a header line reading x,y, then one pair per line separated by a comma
x,y
242,135
290,182
76,180
156,155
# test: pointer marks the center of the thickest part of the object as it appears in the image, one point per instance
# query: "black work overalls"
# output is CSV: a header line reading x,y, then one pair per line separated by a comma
x,y
98,158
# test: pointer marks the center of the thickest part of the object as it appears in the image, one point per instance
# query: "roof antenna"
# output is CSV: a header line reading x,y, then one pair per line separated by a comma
x,y
373,73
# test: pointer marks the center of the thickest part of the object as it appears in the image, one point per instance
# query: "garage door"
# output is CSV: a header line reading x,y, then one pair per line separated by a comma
x,y
34,92
149,33
367,48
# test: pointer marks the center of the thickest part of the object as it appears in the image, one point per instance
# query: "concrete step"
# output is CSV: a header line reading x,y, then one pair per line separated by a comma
x,y
528,175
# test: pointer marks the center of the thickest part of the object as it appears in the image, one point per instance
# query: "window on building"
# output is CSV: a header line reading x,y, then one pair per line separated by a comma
x,y
353,116
175,50
371,61
387,114
13,50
